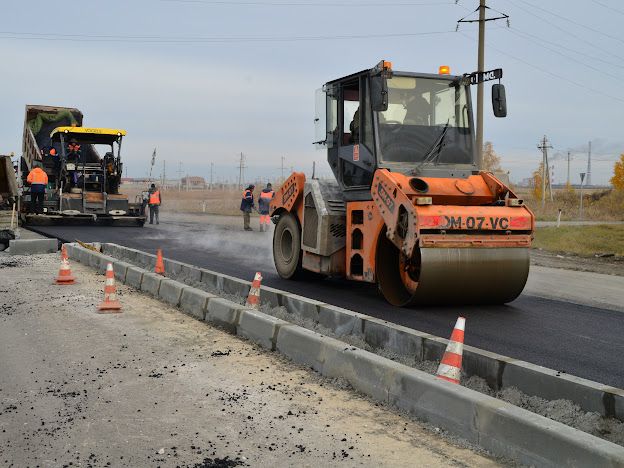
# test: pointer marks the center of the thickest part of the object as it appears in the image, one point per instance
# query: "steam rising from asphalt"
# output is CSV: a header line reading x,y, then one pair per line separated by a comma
x,y
227,240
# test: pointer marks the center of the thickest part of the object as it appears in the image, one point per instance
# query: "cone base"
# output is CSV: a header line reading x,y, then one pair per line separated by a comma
x,y
109,307
65,280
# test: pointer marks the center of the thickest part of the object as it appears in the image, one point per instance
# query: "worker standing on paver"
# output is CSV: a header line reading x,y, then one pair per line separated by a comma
x,y
247,204
74,156
38,179
154,203
264,203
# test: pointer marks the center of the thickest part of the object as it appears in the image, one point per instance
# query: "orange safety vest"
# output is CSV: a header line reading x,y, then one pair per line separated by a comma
x,y
37,176
154,198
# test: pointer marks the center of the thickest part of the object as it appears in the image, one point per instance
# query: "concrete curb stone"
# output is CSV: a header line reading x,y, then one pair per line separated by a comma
x,y
120,268
307,347
32,246
260,328
235,286
194,302
151,283
209,277
147,261
304,307
401,340
172,268
271,296
134,277
224,313
94,259
170,291
341,322
103,264
189,273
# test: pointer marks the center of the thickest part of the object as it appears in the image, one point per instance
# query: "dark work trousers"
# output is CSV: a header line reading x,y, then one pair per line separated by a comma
x,y
37,196
154,212
246,219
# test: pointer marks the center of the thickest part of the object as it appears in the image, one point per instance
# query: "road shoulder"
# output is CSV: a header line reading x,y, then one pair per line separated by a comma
x,y
152,386
578,287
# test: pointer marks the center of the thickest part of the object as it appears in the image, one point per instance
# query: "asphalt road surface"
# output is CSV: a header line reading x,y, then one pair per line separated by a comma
x,y
579,340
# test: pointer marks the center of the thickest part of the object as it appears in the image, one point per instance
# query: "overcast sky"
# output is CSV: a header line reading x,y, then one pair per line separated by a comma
x,y
204,80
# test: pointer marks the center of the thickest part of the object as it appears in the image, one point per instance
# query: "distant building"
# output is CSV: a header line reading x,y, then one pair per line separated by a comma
x,y
194,182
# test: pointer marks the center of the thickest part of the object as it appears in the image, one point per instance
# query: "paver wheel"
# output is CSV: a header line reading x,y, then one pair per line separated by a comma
x,y
287,247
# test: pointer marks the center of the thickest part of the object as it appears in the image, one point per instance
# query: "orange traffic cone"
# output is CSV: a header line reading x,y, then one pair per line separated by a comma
x,y
450,366
64,253
65,275
160,265
110,304
253,299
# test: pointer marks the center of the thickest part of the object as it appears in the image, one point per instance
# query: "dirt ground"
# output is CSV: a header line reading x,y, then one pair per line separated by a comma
x,y
605,265
154,387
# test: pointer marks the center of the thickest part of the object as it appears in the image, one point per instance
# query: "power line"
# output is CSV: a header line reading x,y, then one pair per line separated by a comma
x,y
556,44
548,72
576,23
609,7
309,4
565,31
601,71
197,39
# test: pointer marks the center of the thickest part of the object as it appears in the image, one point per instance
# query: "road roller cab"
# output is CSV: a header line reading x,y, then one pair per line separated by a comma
x,y
410,208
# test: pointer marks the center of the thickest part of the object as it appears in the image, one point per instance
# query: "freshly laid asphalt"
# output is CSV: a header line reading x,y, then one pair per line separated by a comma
x,y
579,340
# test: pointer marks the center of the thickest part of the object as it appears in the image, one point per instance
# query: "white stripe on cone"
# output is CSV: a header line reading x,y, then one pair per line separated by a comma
x,y
254,291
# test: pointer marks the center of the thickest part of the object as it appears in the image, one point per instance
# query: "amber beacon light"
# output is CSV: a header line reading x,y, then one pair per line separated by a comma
x,y
444,70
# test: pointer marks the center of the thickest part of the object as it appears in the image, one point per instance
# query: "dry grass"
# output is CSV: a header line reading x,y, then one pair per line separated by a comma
x,y
598,205
222,201
581,240
218,201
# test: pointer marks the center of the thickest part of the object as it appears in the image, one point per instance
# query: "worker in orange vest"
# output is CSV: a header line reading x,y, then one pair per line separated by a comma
x,y
154,203
38,179
247,204
264,203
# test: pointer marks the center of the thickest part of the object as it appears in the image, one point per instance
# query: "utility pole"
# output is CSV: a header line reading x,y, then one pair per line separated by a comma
x,y
180,176
283,159
164,177
568,180
581,208
589,165
241,170
211,171
544,146
480,69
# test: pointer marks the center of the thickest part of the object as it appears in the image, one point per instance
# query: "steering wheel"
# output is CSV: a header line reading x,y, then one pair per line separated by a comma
x,y
394,123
